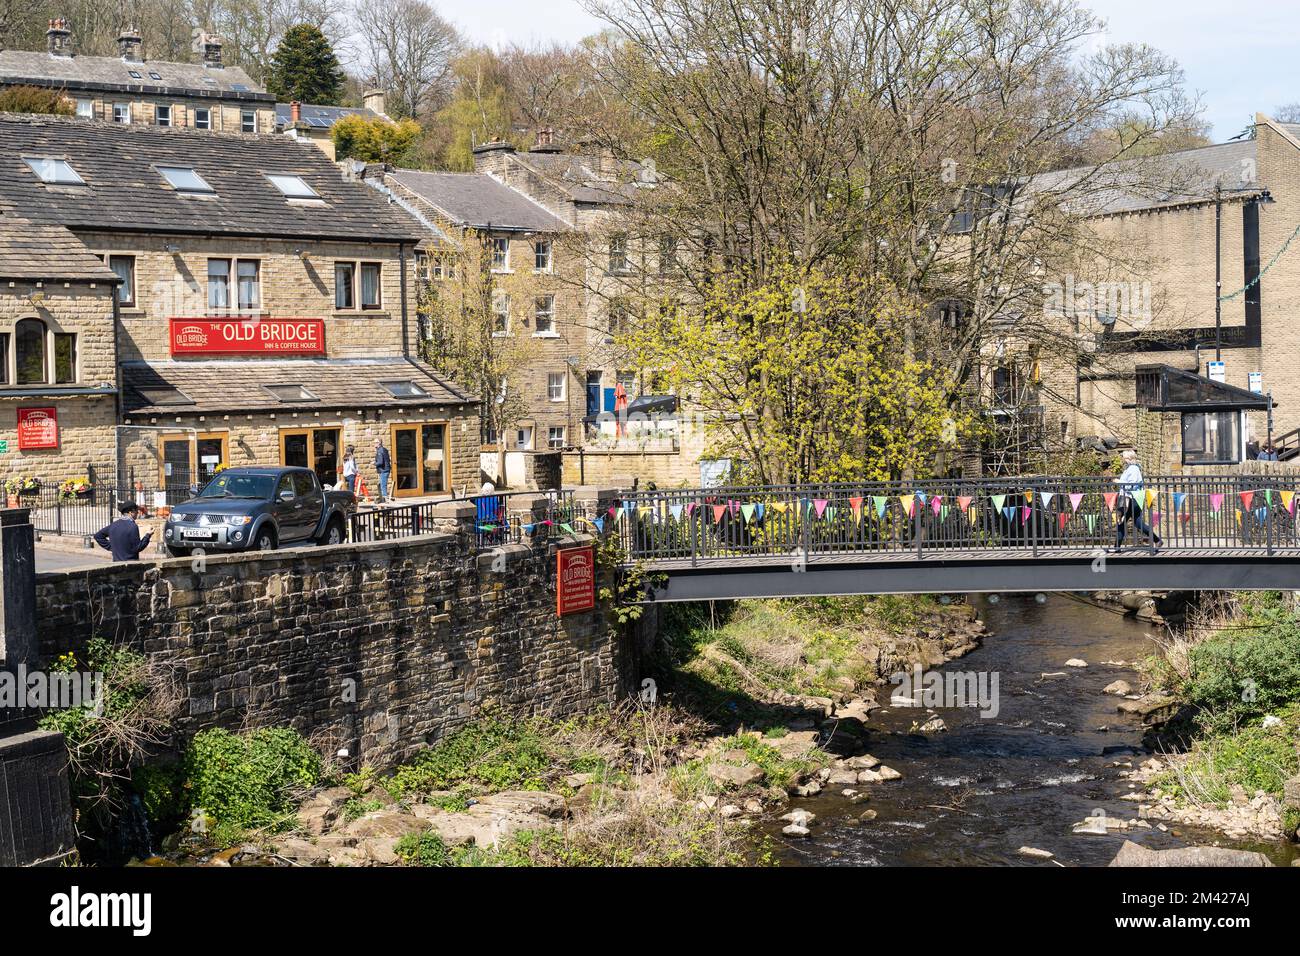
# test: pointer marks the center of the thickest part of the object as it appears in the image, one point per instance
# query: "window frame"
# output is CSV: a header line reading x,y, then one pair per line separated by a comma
x,y
158,115
356,285
619,263
206,113
126,111
234,285
185,190
125,291
547,312
49,338
56,163
248,121
551,395
549,266
362,304
89,112
351,286
555,442
500,253
1202,458
500,314
311,193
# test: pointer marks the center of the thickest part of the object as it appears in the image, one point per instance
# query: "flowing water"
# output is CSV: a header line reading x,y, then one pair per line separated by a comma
x,y
975,794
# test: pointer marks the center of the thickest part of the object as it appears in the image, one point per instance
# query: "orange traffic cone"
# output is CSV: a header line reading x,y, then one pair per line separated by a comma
x,y
361,488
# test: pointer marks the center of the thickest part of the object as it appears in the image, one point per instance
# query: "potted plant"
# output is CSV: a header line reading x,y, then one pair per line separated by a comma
x,y
18,488
76,489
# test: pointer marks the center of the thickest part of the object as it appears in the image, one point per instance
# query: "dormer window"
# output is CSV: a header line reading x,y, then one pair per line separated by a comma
x,y
185,180
293,187
56,172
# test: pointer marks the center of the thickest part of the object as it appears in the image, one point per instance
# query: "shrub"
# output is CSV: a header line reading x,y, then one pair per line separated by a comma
x,y
423,849
493,754
249,781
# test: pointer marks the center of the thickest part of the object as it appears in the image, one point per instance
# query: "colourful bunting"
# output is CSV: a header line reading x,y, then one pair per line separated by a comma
x,y
1009,513
1268,496
676,512
747,513
880,503
1045,497
920,496
1185,517
1024,513
600,524
1075,500
1246,498
936,503
974,515
1110,497
943,512
1092,522
689,508
1179,498
855,505
758,511
819,505
1288,501
718,512
1150,498
1216,502
1062,520
963,501
997,500
567,528
780,506
908,502
1029,497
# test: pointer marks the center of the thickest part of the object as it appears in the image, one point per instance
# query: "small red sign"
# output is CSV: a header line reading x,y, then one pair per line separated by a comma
x,y
575,580
38,428
247,336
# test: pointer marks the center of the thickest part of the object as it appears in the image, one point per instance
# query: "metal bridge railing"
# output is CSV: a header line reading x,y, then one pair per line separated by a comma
x,y
1034,515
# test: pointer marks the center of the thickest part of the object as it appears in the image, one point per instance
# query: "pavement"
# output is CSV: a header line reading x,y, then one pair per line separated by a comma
x,y
62,558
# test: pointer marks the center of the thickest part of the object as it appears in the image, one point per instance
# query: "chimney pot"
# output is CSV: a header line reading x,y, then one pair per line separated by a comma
x,y
295,112
59,37
373,100
211,43
128,42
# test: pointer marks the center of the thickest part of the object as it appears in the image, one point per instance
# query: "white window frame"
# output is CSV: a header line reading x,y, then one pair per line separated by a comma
x,y
500,310
357,266
158,115
556,391
233,304
55,164
549,265
248,118
127,288
501,261
125,109
276,178
555,437
547,313
202,117
204,188
85,108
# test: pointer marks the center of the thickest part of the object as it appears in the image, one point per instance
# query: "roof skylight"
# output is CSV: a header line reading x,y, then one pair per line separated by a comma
x,y
404,390
57,172
295,187
185,180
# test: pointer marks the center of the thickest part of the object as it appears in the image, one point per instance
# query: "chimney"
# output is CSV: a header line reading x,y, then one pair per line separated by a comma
x,y
128,42
373,100
295,112
211,44
491,158
59,37
545,141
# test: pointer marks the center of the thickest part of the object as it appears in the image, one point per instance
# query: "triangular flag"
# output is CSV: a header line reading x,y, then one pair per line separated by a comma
x,y
1110,497
1186,516
758,511
629,506
1029,497
1288,501
1216,502
611,510
567,528
780,506
880,503
644,510
855,505
819,505
1062,519
908,502
689,508
830,513
528,528
1261,513
747,513
1045,497
1075,500
676,512
1024,513
943,512
974,515
1151,497
963,501
600,524
1010,513
1268,496
1246,498
997,500
936,503
1092,522
718,512
921,497
1179,498
734,506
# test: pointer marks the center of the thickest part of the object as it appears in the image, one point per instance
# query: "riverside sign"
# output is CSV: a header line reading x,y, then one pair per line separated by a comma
x,y
247,336
575,580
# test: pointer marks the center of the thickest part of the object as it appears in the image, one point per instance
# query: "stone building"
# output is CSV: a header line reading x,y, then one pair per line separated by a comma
x,y
130,89
265,305
58,377
1151,326
535,292
315,124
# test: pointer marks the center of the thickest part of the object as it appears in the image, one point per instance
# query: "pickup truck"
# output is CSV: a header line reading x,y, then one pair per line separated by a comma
x,y
258,509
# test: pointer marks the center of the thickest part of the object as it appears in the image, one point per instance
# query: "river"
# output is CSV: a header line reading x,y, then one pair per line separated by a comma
x,y
975,794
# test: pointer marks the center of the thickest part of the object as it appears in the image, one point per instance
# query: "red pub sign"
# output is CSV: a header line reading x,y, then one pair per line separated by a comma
x,y
38,428
575,580
247,336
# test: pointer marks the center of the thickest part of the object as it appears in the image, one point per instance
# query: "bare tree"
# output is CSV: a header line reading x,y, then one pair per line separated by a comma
x,y
407,46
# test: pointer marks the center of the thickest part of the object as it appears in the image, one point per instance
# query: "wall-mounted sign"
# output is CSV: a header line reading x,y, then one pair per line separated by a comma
x,y
1216,371
575,580
4,446
252,336
38,428
1256,380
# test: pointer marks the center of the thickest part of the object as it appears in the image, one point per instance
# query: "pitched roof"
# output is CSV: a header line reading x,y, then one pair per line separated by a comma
x,y
587,179
39,68
30,250
238,386
123,189
319,117
477,201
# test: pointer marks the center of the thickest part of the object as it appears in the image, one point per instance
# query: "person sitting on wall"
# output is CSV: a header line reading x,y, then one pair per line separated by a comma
x,y
1267,453
122,537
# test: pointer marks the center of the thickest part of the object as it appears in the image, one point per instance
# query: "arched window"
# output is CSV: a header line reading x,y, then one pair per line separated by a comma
x,y
29,352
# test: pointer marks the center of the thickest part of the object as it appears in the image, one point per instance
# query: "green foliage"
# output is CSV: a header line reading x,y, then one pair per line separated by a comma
x,y
250,780
478,112
374,140
493,754
304,68
423,849
1252,757
1247,669
623,585
356,808
35,99
162,792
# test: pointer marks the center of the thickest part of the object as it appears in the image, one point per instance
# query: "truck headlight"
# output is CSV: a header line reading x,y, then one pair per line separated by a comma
x,y
238,520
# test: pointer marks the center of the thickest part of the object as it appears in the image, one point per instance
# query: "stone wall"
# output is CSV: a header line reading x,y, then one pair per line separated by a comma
x,y
377,648
224,117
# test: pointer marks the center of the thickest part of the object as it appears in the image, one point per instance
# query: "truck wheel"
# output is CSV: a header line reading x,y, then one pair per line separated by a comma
x,y
265,540
333,533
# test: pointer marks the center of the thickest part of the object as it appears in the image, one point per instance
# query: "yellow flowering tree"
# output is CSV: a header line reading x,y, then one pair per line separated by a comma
x,y
803,375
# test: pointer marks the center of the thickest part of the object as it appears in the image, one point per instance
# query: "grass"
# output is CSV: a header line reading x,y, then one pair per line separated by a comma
x,y
1252,757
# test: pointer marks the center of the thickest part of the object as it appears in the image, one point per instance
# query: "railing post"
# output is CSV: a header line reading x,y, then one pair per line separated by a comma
x,y
916,520
694,532
1268,528
1033,525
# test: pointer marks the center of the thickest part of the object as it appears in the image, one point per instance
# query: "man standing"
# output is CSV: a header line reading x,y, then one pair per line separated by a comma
x,y
384,466
122,537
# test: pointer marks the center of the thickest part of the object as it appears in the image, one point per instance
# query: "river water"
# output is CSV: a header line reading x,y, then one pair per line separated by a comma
x,y
974,794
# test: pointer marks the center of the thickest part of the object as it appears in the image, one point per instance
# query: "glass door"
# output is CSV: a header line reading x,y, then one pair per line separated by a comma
x,y
406,460
209,454
325,455
294,449
433,442
176,473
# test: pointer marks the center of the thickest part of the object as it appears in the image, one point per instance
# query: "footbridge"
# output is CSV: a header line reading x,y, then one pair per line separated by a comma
x,y
1225,532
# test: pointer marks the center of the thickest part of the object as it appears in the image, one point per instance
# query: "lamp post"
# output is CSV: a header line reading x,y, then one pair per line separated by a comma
x,y
1218,272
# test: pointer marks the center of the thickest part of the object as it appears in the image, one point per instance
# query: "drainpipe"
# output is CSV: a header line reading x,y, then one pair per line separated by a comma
x,y
406,339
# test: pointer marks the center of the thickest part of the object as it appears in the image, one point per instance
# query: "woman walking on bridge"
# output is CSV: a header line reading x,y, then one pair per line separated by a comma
x,y
1131,502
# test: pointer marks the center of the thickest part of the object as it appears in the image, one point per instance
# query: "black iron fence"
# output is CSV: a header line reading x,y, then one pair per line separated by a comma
x,y
1236,512
56,512
494,523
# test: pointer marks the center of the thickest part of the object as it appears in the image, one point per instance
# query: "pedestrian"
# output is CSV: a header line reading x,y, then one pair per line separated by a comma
x,y
384,466
1267,453
122,537
350,468
1132,501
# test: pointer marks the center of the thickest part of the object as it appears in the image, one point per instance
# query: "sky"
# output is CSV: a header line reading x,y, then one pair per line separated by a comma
x,y
1240,57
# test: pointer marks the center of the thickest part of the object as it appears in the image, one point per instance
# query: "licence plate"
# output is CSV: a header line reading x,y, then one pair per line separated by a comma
x,y
205,535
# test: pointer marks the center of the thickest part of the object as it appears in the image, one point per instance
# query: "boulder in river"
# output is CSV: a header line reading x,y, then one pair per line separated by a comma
x,y
1076,662
794,830
1036,853
1133,854
1118,688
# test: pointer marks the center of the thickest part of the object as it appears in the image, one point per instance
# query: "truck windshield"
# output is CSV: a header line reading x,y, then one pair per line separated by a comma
x,y
239,486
